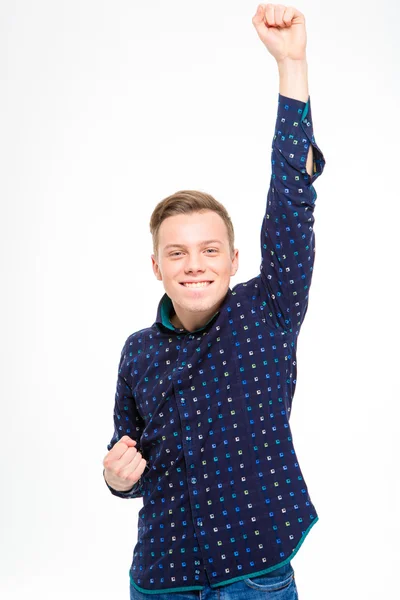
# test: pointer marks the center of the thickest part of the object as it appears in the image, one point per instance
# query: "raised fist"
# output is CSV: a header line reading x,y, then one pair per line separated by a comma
x,y
282,30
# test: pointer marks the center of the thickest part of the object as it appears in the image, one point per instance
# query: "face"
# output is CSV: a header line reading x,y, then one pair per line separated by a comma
x,y
195,263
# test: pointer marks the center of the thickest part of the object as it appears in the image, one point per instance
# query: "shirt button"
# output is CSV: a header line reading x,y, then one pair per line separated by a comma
x,y
194,480
180,368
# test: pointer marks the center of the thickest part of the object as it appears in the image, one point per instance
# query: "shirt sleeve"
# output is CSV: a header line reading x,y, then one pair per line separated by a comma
x,y
287,234
127,420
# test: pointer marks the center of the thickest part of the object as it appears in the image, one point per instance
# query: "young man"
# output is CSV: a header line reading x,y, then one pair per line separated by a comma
x,y
204,395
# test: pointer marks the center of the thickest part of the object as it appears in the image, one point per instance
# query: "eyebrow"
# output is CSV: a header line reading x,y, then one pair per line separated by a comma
x,y
206,243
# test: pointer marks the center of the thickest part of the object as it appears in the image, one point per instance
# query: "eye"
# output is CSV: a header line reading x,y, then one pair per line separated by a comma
x,y
211,250
175,253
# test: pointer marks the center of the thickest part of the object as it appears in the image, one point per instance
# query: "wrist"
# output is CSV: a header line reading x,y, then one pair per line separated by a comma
x,y
293,78
292,63
115,485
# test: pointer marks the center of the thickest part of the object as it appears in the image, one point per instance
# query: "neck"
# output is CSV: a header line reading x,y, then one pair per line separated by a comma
x,y
192,322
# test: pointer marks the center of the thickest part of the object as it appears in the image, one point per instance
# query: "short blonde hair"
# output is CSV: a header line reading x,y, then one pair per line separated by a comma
x,y
186,202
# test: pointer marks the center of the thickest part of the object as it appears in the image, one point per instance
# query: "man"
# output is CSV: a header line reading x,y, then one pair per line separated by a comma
x,y
204,395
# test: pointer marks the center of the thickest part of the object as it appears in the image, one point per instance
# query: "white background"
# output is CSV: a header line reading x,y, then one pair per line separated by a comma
x,y
107,108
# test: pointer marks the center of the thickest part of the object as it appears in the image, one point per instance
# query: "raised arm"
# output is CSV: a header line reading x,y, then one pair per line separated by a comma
x,y
287,234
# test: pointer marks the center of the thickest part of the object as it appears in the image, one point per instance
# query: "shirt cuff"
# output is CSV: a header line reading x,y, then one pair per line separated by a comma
x,y
293,134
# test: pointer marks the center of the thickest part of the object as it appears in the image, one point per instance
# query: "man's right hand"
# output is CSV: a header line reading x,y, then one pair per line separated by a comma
x,y
123,465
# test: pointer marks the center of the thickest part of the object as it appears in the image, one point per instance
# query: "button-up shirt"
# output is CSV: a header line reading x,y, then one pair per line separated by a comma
x,y
224,497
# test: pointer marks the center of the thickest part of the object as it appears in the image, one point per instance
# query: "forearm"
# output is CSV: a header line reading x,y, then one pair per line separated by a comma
x,y
293,79
293,83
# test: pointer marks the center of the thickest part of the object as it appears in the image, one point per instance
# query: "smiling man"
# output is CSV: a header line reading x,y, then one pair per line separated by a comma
x,y
193,256
204,395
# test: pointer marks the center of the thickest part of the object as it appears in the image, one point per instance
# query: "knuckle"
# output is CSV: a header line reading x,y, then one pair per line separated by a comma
x,y
118,471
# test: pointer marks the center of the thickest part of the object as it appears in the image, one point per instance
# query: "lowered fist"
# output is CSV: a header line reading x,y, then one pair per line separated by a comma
x,y
123,465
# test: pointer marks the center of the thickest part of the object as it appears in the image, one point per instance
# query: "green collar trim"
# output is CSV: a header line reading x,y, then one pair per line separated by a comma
x,y
167,310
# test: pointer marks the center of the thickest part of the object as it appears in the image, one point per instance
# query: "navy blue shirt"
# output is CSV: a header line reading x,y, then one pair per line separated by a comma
x,y
223,494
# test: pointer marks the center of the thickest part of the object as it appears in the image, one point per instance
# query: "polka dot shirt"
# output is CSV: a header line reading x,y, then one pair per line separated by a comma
x,y
223,494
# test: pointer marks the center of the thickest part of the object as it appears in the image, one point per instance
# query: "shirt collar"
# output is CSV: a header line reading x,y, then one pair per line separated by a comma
x,y
166,310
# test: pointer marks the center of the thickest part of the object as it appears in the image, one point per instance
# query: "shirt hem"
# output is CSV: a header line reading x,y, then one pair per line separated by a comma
x,y
165,590
277,566
234,579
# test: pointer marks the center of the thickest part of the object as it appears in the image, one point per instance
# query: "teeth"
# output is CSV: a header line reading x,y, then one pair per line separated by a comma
x,y
197,284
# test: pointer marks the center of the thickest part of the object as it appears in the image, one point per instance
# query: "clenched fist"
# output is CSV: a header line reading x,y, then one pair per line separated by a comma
x,y
123,465
282,30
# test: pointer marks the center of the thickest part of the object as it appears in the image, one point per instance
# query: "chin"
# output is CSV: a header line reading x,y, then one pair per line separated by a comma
x,y
202,306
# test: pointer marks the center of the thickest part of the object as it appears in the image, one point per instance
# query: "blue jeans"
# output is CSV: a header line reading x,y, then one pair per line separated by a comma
x,y
280,583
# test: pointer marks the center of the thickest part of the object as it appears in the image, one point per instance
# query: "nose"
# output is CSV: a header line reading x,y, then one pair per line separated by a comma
x,y
194,264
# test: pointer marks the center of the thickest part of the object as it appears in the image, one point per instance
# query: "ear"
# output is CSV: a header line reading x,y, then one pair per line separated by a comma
x,y
156,268
235,262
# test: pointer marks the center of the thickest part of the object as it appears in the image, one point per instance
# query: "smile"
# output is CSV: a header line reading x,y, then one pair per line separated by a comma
x,y
197,284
